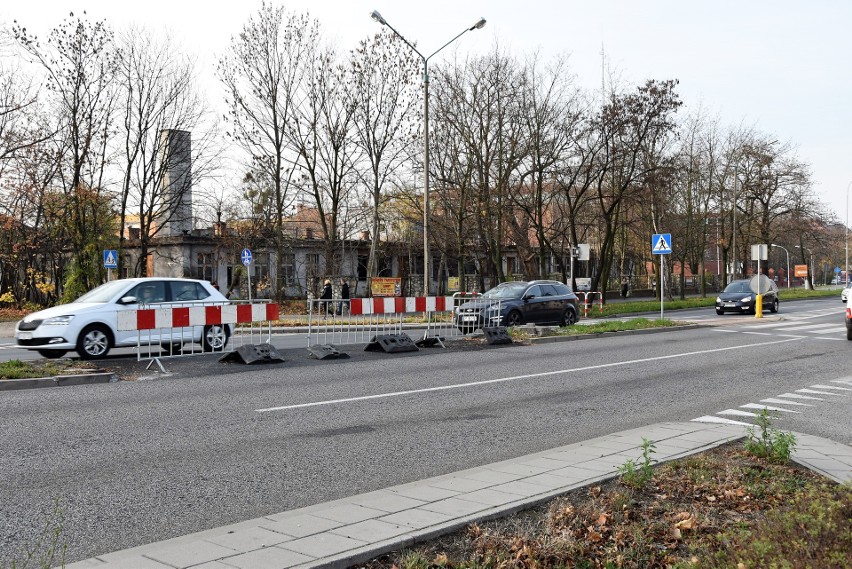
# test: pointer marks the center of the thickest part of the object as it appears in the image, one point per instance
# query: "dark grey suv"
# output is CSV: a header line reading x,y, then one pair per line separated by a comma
x,y
520,302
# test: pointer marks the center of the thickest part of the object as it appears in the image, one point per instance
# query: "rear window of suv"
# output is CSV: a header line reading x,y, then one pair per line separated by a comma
x,y
562,289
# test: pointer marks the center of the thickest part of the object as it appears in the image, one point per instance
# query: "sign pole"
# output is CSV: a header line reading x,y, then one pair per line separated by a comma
x,y
661,244
246,257
662,285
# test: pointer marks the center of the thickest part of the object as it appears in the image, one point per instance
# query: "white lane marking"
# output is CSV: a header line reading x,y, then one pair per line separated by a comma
x,y
517,377
784,402
767,407
737,413
758,333
819,392
829,330
812,328
830,387
844,381
795,396
712,419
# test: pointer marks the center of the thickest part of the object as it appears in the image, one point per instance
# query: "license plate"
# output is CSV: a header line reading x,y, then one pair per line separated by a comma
x,y
730,305
25,336
468,318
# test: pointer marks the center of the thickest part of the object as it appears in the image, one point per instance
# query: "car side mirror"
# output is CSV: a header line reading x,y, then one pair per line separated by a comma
x,y
128,300
529,296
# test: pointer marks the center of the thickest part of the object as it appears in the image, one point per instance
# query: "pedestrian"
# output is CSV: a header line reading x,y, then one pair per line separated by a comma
x,y
625,287
325,298
344,296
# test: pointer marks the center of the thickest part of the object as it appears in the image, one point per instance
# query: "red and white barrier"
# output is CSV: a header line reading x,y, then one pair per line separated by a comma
x,y
400,305
182,317
588,300
355,320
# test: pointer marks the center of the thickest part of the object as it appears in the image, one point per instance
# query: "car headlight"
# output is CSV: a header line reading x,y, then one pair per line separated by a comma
x,y
746,300
718,299
58,320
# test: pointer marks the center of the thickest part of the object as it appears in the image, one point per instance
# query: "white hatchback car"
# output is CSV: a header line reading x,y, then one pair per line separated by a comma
x,y
844,294
89,324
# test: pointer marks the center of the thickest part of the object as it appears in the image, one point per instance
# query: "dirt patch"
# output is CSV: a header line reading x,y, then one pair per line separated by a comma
x,y
722,508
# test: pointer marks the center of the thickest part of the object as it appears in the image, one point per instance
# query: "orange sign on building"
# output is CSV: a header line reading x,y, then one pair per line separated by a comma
x,y
386,286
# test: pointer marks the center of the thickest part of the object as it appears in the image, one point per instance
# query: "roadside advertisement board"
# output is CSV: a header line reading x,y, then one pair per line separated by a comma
x,y
800,271
583,284
453,284
386,286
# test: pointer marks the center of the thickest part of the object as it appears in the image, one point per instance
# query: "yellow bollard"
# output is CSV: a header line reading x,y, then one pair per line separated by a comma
x,y
758,306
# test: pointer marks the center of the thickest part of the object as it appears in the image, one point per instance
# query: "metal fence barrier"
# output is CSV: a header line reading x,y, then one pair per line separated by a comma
x,y
194,328
360,320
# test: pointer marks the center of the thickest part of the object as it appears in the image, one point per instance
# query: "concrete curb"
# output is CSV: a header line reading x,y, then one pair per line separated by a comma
x,y
591,335
57,381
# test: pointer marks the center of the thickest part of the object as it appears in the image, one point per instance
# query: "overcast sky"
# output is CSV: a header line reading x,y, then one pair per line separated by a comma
x,y
782,66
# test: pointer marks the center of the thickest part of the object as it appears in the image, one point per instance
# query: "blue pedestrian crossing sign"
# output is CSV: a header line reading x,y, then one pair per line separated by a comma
x,y
661,244
246,257
110,259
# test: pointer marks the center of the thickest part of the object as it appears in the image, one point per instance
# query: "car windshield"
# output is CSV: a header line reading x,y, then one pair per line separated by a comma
x,y
506,290
103,293
738,286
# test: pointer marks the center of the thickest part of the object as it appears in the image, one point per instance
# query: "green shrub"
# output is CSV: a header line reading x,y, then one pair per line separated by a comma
x,y
770,443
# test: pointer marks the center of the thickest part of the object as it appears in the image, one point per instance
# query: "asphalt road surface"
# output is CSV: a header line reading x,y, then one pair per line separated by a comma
x,y
209,444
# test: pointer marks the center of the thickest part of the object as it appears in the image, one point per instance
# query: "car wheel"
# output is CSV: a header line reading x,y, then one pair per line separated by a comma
x,y
52,354
774,307
514,318
215,338
719,311
568,318
172,349
94,342
849,333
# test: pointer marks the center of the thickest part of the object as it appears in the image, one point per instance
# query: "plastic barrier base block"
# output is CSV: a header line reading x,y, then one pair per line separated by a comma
x,y
497,335
326,352
391,343
253,354
429,342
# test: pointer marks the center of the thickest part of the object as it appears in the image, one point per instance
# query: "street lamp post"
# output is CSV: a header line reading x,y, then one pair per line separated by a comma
x,y
427,276
847,232
788,261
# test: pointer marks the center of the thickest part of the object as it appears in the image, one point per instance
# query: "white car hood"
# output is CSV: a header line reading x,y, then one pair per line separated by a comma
x,y
74,308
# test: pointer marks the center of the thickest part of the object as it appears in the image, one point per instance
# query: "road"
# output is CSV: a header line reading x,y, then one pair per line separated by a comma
x,y
212,443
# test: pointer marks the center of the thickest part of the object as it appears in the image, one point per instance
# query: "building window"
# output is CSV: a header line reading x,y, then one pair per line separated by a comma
x,y
204,267
288,269
312,264
512,265
260,271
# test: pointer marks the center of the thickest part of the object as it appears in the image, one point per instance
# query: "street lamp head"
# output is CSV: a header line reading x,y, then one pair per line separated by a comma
x,y
478,25
378,17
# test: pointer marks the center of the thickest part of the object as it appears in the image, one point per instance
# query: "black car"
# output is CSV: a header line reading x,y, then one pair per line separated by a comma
x,y
739,296
520,302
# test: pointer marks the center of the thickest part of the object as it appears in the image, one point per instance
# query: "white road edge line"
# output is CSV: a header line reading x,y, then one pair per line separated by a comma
x,y
514,378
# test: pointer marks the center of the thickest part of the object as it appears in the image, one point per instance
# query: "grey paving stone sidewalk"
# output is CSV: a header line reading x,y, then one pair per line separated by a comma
x,y
358,528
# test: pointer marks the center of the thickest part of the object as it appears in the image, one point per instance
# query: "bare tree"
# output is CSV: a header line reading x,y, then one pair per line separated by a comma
x,y
383,69
79,60
550,115
158,95
632,126
262,74
322,133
